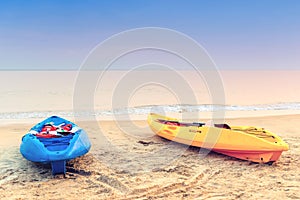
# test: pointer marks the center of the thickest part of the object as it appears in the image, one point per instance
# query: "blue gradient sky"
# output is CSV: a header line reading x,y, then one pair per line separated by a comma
x,y
56,34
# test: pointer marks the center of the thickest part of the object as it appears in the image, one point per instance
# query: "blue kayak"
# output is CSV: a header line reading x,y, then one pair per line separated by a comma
x,y
55,140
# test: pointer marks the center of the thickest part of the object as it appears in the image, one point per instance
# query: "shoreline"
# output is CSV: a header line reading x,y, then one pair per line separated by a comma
x,y
202,116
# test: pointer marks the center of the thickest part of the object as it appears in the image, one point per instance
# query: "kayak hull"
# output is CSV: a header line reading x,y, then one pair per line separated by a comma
x,y
246,143
54,150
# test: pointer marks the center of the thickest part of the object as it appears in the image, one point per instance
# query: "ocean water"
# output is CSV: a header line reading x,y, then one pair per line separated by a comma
x,y
40,94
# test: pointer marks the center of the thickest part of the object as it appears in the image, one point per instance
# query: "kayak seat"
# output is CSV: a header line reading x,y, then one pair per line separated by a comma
x,y
226,126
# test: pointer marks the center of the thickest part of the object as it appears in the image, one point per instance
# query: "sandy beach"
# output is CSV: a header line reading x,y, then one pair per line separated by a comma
x,y
188,176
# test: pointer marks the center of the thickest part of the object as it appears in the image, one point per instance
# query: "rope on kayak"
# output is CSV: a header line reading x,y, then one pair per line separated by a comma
x,y
261,133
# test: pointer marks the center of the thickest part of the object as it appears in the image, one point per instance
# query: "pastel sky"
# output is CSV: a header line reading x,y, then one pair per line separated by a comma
x,y
237,34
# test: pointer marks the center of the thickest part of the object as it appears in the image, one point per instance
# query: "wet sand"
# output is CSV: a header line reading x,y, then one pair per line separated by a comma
x,y
135,165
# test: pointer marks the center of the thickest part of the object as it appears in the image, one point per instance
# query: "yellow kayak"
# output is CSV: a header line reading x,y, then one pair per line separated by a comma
x,y
243,142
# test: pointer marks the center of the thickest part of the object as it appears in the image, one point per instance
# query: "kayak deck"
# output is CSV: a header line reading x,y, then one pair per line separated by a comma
x,y
56,144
